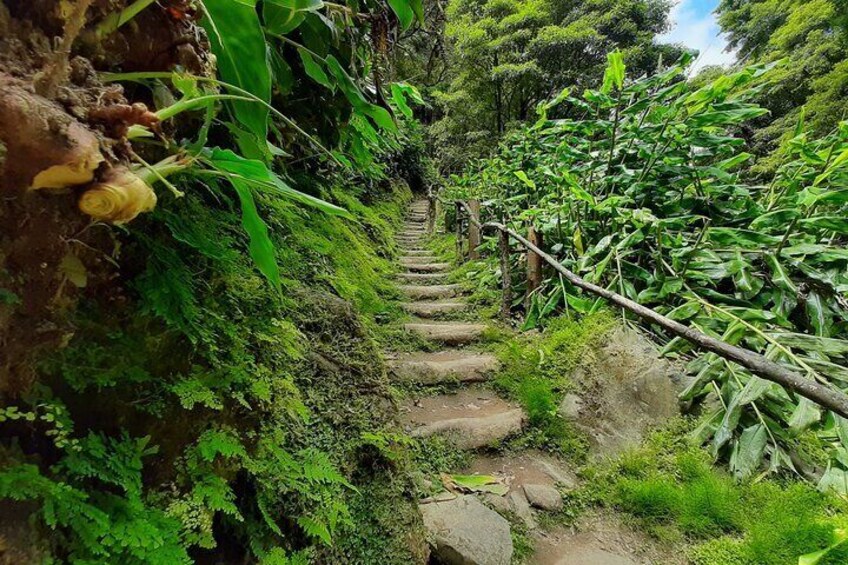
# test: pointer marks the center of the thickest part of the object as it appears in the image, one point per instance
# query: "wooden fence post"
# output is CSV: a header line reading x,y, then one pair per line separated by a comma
x,y
431,213
458,232
534,264
506,276
473,230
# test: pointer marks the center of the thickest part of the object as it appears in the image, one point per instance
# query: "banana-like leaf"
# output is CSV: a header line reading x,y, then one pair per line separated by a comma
x,y
238,42
284,16
257,175
748,451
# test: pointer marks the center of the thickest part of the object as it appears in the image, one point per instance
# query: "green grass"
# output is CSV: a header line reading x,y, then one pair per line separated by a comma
x,y
535,371
673,492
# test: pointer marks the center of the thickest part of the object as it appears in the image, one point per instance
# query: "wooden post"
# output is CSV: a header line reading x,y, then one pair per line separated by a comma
x,y
506,276
534,264
458,232
431,213
473,230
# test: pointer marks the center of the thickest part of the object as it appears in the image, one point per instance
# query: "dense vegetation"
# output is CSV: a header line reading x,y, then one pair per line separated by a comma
x,y
641,193
211,389
195,267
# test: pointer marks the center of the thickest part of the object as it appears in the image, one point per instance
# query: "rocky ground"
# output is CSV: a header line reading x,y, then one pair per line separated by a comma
x,y
468,527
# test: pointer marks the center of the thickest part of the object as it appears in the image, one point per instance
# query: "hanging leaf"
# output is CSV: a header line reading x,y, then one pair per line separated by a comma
x,y
748,452
237,40
404,11
314,70
284,16
257,174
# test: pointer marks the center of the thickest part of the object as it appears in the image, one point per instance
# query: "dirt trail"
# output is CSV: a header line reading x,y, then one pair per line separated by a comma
x,y
473,417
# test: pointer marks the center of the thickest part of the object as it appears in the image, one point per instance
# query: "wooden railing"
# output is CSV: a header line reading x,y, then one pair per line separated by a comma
x,y
819,393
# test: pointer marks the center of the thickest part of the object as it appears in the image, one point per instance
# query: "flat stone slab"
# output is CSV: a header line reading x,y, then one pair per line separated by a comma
x,y
466,532
417,252
433,368
473,417
427,267
430,291
418,259
434,308
423,278
526,468
447,332
474,433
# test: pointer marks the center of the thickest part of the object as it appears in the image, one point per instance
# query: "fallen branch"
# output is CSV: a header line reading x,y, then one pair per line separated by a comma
x,y
808,388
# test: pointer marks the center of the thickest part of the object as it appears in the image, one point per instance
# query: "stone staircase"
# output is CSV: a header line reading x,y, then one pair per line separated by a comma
x,y
471,529
464,528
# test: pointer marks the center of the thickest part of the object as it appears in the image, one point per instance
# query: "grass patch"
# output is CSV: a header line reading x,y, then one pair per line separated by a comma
x,y
535,371
674,493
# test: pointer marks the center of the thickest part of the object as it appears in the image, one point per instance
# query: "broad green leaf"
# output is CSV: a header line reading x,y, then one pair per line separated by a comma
x,y
256,174
834,479
476,483
835,164
237,40
818,314
284,16
261,248
404,11
614,73
748,452
314,70
805,415
399,98
349,88
838,224
779,276
522,176
382,117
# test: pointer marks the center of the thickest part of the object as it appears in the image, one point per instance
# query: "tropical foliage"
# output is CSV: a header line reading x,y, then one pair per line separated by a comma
x,y
180,419
639,190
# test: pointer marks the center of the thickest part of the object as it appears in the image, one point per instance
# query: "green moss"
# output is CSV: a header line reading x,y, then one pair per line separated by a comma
x,y
436,454
535,371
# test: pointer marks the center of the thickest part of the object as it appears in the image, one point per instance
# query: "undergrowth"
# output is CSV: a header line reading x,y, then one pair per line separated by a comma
x,y
230,421
673,491
535,371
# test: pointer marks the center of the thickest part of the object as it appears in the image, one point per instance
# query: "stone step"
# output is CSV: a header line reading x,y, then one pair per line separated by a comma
x,y
472,418
423,278
418,259
427,267
434,308
450,333
434,368
418,252
430,291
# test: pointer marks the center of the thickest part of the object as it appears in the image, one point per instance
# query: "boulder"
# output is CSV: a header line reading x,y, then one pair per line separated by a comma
x,y
464,531
544,497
